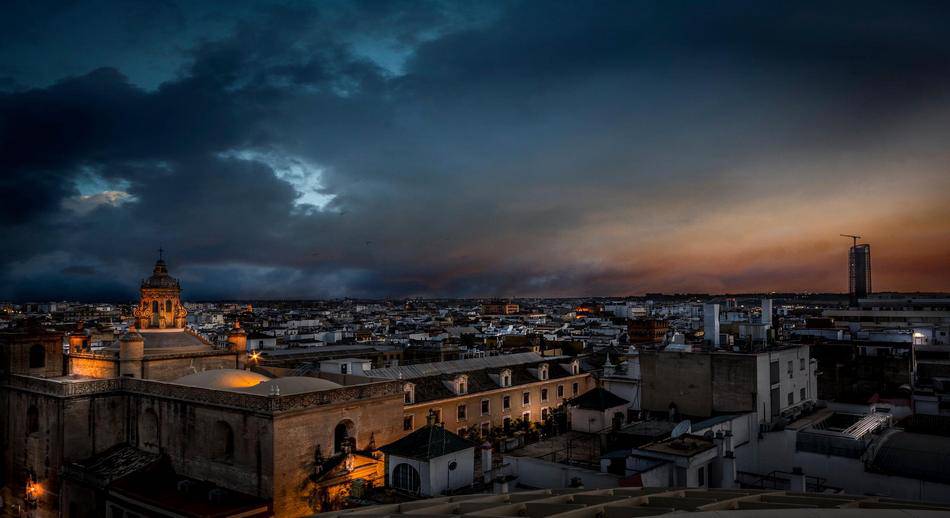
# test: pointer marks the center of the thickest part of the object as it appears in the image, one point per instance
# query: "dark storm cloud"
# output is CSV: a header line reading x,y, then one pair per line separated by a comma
x,y
461,150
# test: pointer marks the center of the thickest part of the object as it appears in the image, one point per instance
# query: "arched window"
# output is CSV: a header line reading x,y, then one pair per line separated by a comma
x,y
343,435
32,420
406,478
154,306
223,441
168,306
149,437
37,357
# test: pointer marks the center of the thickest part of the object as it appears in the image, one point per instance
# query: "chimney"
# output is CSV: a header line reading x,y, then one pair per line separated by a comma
x,y
798,484
486,460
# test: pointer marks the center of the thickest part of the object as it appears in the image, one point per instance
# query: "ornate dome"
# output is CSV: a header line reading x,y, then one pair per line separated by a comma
x,y
160,277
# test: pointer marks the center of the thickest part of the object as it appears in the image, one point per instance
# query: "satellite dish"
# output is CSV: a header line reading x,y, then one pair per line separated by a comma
x,y
683,427
453,465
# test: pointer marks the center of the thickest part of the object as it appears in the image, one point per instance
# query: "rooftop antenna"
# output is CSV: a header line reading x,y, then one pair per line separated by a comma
x,y
161,251
853,238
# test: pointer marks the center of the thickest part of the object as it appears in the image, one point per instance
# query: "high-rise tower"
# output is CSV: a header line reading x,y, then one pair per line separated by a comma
x,y
859,272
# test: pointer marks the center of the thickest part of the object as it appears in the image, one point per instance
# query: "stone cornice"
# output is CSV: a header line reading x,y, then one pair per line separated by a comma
x,y
268,405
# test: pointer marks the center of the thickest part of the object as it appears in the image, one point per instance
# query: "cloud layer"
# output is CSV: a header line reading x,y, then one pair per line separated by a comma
x,y
370,149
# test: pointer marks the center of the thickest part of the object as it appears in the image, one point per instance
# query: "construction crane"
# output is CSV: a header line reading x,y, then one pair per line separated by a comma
x,y
853,238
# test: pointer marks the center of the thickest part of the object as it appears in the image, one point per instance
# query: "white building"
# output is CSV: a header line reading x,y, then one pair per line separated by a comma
x,y
430,461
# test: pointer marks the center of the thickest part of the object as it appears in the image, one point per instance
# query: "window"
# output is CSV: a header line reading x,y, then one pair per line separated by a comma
x,y
526,417
407,423
506,424
701,476
773,372
526,398
37,357
791,398
801,364
790,368
154,306
506,403
486,429
544,394
506,378
461,412
575,368
406,478
560,391
543,372
544,414
486,407
801,394
344,368
168,306
461,385
574,389
344,436
410,393
437,412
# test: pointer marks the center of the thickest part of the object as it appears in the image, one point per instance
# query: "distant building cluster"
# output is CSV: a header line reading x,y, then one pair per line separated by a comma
x,y
171,408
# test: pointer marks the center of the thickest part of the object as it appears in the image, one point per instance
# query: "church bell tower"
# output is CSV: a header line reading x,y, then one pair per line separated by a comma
x,y
160,300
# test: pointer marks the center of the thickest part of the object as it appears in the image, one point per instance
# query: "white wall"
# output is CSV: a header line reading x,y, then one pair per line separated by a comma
x,y
776,451
442,479
422,467
543,474
583,420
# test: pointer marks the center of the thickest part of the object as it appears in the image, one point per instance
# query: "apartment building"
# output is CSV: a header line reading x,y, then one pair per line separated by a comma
x,y
477,394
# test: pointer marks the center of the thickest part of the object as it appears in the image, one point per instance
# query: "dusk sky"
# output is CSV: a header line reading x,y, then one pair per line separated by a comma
x,y
464,149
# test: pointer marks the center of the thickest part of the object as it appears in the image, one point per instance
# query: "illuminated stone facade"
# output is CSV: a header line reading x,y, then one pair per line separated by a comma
x,y
160,301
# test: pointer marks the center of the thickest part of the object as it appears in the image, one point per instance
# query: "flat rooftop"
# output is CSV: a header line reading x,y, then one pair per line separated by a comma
x,y
685,445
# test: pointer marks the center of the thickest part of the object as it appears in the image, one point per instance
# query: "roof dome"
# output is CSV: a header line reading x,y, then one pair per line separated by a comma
x,y
160,277
293,385
223,379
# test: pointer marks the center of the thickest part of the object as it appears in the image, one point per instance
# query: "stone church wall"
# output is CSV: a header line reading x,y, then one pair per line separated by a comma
x,y
93,367
297,435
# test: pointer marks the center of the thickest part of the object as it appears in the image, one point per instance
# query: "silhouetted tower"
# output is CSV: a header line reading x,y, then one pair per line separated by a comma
x,y
859,270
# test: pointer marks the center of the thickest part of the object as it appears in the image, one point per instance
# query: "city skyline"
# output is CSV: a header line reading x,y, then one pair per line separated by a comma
x,y
338,149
